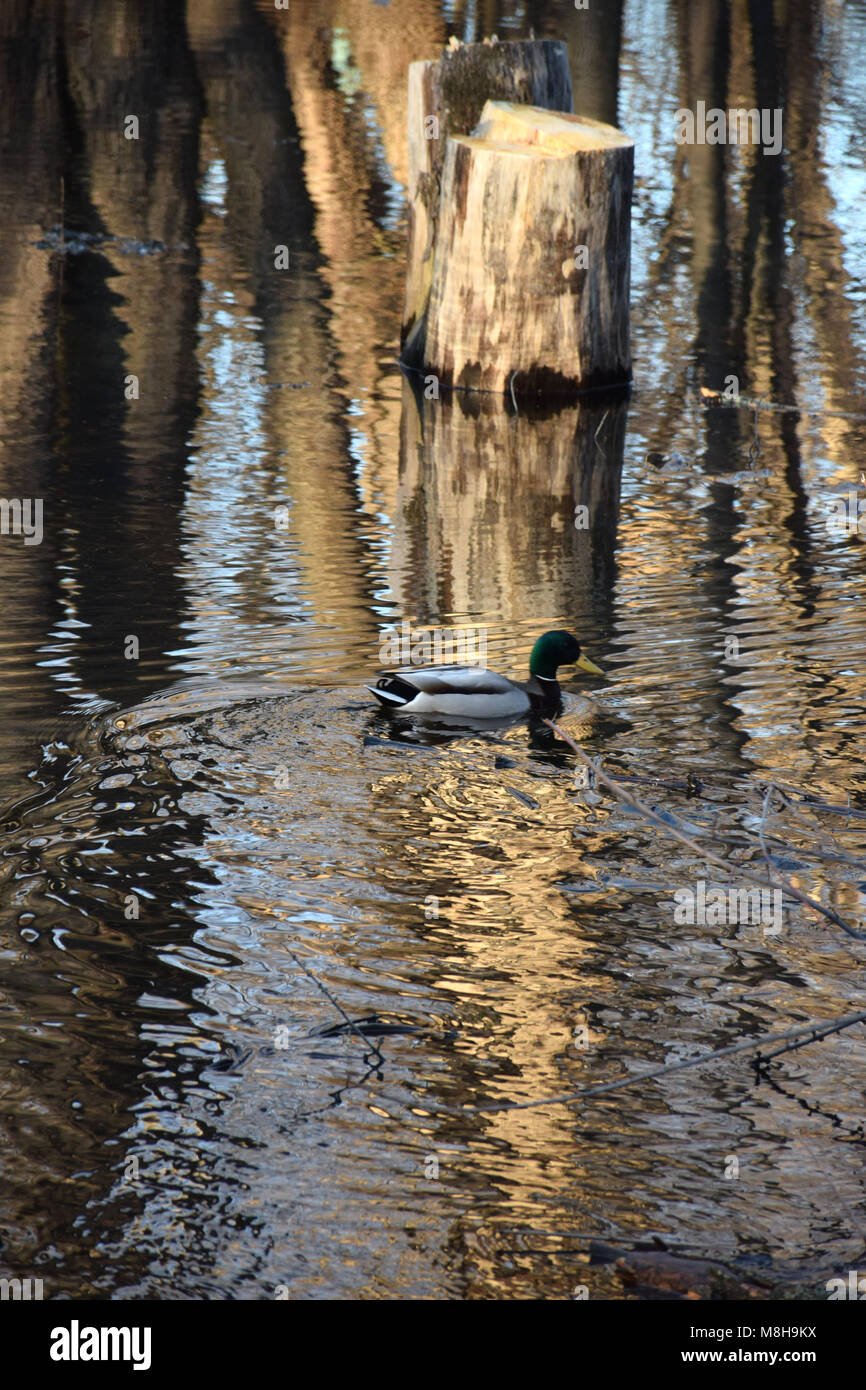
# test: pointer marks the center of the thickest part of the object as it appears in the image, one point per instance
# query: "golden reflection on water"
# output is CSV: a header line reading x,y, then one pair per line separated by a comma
x,y
461,890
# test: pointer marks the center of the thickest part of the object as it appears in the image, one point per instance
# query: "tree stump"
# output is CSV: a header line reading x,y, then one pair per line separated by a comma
x,y
446,97
530,288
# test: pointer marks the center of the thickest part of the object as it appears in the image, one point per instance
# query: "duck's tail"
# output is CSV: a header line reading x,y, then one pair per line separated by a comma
x,y
392,691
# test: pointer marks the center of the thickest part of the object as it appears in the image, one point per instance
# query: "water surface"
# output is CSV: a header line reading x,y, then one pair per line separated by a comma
x,y
262,957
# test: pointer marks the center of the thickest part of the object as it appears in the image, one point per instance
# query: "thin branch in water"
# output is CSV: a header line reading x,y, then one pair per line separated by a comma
x,y
748,402
808,1032
773,878
368,1042
765,811
831,849
598,432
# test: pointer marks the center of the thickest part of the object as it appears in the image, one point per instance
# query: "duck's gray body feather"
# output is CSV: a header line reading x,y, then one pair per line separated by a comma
x,y
452,690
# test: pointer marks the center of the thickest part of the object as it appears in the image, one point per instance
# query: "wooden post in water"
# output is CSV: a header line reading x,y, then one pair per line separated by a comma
x,y
530,286
519,227
446,97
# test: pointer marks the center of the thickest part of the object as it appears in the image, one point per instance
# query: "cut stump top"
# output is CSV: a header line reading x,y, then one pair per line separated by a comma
x,y
555,133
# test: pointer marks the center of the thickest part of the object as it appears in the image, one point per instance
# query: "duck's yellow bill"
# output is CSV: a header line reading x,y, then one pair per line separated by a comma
x,y
586,665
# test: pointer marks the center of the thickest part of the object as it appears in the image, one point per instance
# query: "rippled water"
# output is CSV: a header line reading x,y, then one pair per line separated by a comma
x,y
263,953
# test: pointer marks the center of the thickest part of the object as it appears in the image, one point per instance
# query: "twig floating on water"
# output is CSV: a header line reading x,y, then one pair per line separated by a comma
x,y
818,1032
663,823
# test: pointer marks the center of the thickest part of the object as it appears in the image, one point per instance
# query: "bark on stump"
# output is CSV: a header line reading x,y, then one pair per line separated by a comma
x,y
530,288
446,97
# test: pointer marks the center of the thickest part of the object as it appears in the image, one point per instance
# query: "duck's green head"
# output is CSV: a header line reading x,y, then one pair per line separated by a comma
x,y
558,648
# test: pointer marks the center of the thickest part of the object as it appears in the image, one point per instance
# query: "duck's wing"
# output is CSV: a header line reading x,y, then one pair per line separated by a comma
x,y
461,691
454,680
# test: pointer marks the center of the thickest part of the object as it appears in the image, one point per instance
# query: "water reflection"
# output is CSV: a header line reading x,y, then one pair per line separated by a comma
x,y
506,516
187,1112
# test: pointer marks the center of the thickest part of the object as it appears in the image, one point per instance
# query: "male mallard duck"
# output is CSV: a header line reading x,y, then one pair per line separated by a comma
x,y
481,694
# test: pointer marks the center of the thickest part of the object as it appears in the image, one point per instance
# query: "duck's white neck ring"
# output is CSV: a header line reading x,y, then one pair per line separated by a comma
x,y
551,680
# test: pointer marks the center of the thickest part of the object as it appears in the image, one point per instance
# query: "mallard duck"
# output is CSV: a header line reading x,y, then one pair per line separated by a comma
x,y
472,691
